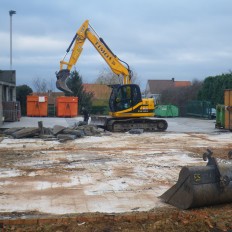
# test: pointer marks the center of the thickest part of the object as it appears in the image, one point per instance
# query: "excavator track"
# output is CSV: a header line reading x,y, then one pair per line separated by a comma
x,y
126,124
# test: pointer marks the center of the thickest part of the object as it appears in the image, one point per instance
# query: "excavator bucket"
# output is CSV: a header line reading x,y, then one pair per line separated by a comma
x,y
202,186
62,77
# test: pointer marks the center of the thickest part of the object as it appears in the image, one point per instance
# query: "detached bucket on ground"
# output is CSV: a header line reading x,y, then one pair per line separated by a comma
x,y
202,186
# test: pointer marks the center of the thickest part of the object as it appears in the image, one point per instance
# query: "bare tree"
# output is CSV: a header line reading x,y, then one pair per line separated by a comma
x,y
179,96
107,77
42,85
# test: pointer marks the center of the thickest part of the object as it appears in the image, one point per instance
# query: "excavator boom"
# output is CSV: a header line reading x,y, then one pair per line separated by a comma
x,y
83,33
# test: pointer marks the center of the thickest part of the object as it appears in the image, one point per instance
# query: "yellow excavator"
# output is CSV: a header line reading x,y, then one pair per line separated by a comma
x,y
127,108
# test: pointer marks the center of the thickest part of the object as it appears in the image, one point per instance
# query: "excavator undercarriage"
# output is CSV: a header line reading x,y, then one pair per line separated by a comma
x,y
127,124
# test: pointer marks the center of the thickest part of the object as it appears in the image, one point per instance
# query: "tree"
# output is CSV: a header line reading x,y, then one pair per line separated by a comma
x,y
179,96
42,85
75,84
213,88
107,77
21,95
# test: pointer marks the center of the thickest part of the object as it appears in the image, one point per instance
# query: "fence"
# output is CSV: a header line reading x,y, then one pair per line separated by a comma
x,y
11,111
202,109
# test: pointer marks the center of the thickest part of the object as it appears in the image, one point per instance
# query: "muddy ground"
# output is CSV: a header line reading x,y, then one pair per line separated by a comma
x,y
106,183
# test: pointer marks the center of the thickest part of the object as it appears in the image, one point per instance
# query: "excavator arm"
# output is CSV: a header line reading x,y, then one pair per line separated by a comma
x,y
87,32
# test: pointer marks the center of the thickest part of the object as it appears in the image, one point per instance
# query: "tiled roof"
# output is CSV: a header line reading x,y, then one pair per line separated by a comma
x,y
100,91
157,86
182,83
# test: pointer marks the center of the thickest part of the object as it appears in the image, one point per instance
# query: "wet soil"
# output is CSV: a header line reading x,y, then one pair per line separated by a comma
x,y
212,219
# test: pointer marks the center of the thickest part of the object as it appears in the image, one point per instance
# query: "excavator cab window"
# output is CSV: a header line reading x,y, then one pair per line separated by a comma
x,y
124,97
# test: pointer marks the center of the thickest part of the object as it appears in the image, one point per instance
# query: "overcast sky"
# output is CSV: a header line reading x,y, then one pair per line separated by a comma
x,y
159,39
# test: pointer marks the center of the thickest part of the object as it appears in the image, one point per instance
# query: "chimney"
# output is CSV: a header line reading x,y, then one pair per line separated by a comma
x,y
173,79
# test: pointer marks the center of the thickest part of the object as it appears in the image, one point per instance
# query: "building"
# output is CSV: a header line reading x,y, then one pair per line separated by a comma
x,y
7,93
101,94
99,91
154,88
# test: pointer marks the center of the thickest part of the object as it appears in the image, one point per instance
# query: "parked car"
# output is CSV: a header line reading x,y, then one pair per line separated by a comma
x,y
212,113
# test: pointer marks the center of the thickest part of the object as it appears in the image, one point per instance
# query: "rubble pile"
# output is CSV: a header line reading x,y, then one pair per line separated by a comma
x,y
58,132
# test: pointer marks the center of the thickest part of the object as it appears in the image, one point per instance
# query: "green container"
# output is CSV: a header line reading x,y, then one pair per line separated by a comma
x,y
166,111
220,116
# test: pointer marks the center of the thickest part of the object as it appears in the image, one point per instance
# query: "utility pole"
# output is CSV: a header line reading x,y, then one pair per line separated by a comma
x,y
11,12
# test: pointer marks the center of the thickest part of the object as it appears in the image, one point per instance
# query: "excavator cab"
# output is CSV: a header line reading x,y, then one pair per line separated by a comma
x,y
124,97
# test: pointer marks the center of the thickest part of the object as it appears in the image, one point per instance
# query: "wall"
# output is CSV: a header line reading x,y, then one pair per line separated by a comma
x,y
7,88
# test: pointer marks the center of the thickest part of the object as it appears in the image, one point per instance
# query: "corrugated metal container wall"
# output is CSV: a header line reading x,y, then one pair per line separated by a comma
x,y
66,106
228,108
37,106
220,116
166,111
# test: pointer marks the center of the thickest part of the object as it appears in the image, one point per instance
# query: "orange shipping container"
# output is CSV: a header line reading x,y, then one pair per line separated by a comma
x,y
66,106
37,106
228,108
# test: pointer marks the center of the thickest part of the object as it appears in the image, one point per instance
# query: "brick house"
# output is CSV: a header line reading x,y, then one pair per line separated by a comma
x,y
154,88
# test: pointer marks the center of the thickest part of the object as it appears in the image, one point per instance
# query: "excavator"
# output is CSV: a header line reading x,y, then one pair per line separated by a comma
x,y
127,108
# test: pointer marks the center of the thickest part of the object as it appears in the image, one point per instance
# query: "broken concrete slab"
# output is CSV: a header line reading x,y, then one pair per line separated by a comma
x,y
52,133
10,131
90,130
25,133
58,129
65,137
77,133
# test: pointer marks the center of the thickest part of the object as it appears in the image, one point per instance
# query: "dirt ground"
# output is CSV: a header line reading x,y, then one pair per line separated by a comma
x,y
107,183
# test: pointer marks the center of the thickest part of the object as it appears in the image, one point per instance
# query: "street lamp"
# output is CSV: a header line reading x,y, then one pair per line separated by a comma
x,y
11,12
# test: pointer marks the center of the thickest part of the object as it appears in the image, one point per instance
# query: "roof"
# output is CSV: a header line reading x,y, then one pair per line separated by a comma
x,y
157,86
182,83
99,91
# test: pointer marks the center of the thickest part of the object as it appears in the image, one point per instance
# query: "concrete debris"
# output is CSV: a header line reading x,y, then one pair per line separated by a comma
x,y
58,132
58,129
79,133
26,133
65,137
136,131
12,130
